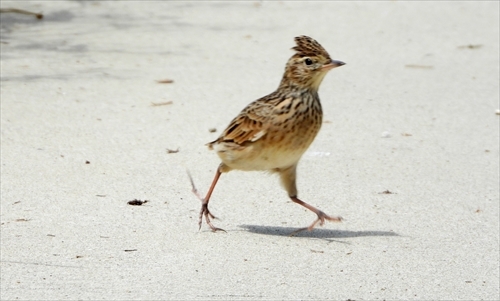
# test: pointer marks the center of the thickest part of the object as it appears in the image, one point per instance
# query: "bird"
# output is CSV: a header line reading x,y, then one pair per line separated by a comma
x,y
273,132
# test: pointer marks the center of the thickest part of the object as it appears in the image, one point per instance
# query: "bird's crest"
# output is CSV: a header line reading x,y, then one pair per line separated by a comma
x,y
307,46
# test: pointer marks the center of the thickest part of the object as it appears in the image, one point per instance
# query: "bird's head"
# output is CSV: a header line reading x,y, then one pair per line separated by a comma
x,y
309,65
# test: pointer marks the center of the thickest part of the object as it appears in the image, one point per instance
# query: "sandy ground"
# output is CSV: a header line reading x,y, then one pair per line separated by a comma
x,y
412,113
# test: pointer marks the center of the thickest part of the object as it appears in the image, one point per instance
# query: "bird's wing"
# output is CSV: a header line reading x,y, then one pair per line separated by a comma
x,y
252,123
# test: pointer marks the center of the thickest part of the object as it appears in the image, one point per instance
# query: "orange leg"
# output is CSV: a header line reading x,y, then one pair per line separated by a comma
x,y
321,216
288,180
204,202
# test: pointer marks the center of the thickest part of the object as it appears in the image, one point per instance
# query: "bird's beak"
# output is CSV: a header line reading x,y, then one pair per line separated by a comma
x,y
333,64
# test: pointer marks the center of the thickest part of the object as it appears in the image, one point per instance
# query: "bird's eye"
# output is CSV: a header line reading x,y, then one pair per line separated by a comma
x,y
308,61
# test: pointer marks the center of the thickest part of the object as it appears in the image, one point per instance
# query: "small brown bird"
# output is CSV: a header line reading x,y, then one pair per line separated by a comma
x,y
273,132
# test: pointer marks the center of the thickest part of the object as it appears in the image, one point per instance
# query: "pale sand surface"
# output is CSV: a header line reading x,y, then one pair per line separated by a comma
x,y
78,85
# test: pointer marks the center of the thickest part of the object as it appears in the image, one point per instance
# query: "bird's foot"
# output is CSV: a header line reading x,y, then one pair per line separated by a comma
x,y
204,208
205,212
321,220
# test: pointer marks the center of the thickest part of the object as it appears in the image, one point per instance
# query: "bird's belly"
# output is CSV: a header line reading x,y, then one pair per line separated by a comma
x,y
270,152
252,159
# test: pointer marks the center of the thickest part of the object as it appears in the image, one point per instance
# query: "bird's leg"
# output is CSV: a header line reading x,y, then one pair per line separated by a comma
x,y
288,180
204,205
204,202
321,216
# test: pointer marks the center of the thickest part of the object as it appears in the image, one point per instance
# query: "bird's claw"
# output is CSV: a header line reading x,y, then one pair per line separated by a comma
x,y
204,208
208,215
321,220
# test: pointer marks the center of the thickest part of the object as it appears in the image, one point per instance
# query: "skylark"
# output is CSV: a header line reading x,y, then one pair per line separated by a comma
x,y
273,132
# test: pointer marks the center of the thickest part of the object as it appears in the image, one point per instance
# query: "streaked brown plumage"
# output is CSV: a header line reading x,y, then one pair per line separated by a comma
x,y
273,132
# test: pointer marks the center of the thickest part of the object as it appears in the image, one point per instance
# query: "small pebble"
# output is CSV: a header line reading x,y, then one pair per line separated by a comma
x,y
386,134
